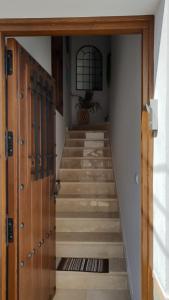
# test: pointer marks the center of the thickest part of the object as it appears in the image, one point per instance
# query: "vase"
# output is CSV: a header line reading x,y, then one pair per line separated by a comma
x,y
83,116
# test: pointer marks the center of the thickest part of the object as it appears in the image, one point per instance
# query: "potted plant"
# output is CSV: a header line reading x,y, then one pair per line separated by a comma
x,y
85,106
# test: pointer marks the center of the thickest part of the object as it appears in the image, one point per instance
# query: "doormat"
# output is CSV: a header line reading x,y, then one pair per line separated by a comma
x,y
94,265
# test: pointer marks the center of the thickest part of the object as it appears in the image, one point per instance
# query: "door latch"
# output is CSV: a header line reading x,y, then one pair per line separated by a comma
x,y
9,62
9,230
9,143
152,109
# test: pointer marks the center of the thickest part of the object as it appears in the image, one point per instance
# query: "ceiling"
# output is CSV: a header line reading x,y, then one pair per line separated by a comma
x,y
74,8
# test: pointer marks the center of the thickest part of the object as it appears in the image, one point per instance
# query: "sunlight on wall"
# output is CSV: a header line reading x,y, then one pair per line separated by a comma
x,y
161,151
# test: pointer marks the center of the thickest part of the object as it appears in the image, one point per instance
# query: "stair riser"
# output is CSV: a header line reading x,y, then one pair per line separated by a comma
x,y
92,294
88,225
101,250
85,175
77,280
87,135
84,205
86,163
86,144
86,152
88,188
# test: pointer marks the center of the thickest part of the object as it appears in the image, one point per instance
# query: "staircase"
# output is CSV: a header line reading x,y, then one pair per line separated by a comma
x,y
87,219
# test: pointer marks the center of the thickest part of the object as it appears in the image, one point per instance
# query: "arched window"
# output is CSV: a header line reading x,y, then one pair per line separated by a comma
x,y
89,69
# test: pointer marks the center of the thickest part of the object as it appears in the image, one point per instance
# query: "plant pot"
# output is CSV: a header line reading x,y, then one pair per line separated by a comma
x,y
83,116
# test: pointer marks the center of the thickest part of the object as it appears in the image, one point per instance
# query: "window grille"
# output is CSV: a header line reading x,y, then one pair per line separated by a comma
x,y
89,69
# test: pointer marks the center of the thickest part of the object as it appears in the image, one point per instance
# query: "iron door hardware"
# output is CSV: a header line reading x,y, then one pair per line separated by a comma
x,y
9,62
9,230
9,143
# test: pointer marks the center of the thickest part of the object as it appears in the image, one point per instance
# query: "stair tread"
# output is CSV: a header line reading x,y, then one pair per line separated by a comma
x,y
88,215
88,131
86,196
89,237
86,148
88,157
115,265
87,139
88,182
92,294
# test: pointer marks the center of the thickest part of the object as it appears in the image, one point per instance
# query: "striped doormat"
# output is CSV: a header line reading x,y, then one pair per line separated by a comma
x,y
93,265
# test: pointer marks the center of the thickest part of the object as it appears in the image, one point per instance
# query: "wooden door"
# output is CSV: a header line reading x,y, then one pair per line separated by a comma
x,y
57,70
31,177
2,173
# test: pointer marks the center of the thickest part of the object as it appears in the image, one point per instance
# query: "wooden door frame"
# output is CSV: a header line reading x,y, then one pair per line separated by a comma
x,y
143,25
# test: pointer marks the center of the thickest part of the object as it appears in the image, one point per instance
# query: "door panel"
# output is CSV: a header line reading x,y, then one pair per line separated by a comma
x,y
57,70
31,171
2,172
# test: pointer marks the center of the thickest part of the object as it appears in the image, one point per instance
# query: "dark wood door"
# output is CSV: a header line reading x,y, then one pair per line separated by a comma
x,y
31,177
2,172
57,70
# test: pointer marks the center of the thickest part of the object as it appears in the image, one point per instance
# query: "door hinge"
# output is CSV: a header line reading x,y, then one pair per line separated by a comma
x,y
9,62
9,230
152,109
9,143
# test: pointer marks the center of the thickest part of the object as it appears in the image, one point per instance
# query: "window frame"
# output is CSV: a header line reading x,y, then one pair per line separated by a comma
x,y
100,88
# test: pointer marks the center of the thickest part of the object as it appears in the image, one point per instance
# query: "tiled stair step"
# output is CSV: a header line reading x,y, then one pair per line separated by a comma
x,y
81,204
83,134
92,188
87,143
91,127
86,175
115,279
64,294
86,163
86,152
87,222
89,244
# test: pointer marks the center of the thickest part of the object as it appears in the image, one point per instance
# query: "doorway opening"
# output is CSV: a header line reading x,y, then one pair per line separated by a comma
x,y
71,96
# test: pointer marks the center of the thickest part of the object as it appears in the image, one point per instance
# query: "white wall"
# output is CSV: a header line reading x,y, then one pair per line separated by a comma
x,y
125,109
40,49
103,44
72,8
161,151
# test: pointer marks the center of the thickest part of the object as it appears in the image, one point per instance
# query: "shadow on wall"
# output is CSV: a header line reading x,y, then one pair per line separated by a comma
x,y
60,139
161,150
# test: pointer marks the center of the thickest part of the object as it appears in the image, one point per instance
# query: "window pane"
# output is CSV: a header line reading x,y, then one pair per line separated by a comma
x,y
89,69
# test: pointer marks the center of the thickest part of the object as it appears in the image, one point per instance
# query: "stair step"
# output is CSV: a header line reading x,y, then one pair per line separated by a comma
x,y
86,175
91,127
86,163
115,279
83,134
81,204
87,143
84,222
65,294
92,188
86,152
89,244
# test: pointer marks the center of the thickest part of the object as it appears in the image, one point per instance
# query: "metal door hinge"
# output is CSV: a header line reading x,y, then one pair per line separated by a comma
x,y
9,62
152,109
9,230
9,143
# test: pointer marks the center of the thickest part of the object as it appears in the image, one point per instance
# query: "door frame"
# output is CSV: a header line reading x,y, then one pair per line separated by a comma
x,y
143,25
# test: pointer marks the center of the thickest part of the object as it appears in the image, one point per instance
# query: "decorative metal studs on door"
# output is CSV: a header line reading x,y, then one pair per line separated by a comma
x,y
42,118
